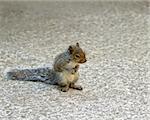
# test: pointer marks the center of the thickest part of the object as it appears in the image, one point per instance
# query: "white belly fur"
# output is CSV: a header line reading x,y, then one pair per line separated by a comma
x,y
66,76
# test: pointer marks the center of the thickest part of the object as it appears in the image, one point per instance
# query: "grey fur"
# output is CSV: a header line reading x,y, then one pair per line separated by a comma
x,y
46,75
64,72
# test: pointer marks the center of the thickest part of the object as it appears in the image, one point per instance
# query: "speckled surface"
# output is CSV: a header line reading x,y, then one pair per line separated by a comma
x,y
116,78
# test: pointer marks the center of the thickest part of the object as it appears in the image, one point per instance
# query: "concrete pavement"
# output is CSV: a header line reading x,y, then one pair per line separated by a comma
x,y
116,78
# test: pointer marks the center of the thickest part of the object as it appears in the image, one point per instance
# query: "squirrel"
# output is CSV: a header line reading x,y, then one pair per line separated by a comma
x,y
64,72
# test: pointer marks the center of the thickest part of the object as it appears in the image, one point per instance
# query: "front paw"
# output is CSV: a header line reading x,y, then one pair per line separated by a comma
x,y
76,68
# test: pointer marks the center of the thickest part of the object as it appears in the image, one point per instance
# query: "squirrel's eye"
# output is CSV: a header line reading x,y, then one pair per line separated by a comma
x,y
77,56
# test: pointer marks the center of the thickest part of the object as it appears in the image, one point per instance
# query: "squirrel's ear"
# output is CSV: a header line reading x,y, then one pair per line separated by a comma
x,y
70,49
77,44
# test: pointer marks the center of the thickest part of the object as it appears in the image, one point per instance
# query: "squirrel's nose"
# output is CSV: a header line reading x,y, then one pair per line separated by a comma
x,y
84,60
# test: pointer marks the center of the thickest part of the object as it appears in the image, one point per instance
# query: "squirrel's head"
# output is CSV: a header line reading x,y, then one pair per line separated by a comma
x,y
77,53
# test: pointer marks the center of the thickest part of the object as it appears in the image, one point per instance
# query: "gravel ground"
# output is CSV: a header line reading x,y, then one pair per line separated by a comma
x,y
116,78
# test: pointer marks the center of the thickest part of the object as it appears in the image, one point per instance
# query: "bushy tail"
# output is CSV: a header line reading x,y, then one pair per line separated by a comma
x,y
46,75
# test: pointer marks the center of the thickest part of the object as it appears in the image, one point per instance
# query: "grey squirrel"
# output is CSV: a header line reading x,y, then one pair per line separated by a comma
x,y
64,72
